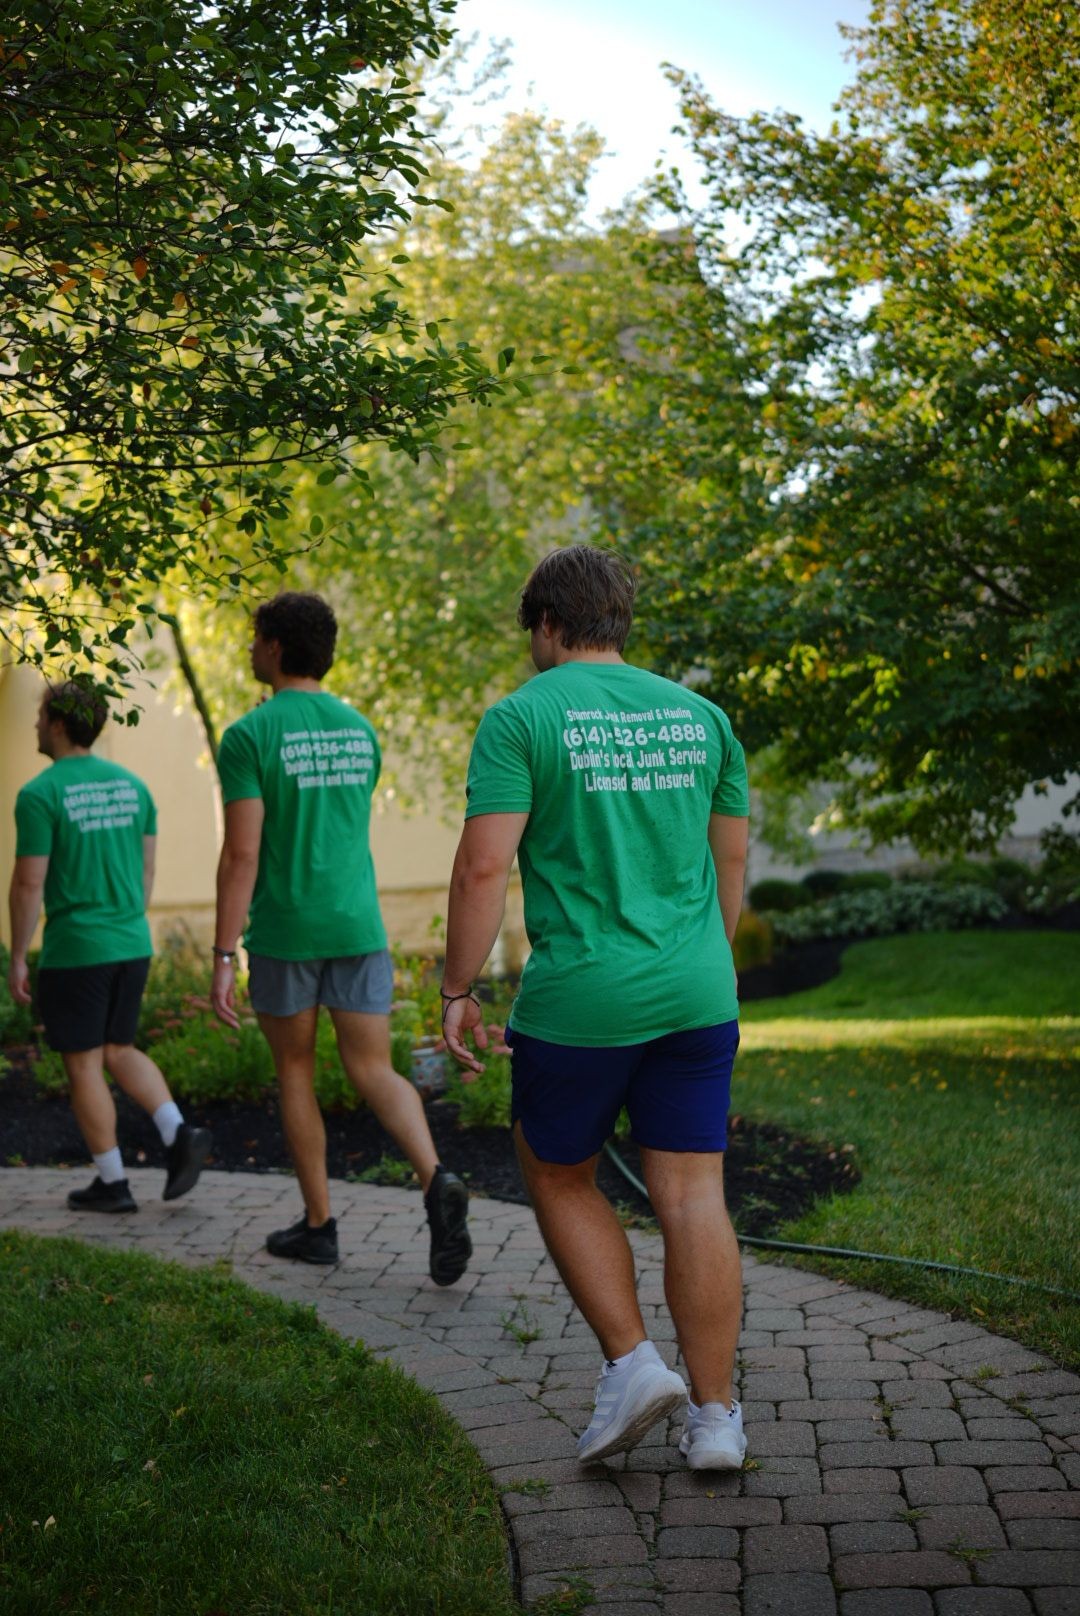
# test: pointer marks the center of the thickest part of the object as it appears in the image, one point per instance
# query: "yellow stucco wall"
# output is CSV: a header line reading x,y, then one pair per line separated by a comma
x,y
413,853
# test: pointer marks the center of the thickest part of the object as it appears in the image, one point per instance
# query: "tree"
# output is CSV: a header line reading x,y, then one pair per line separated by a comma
x,y
188,202
425,562
849,467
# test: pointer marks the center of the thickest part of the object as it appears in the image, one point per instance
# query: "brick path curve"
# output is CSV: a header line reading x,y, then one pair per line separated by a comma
x,y
906,1465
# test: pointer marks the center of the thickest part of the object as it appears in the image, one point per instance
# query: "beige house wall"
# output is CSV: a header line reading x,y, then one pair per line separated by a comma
x,y
413,852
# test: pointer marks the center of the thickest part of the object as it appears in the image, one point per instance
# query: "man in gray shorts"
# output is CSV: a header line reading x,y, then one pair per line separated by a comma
x,y
297,776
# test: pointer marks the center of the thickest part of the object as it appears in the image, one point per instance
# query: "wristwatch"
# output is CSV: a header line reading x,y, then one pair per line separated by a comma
x,y
226,955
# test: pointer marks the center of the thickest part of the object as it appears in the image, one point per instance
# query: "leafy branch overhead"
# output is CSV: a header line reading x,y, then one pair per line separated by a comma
x,y
864,409
424,563
187,202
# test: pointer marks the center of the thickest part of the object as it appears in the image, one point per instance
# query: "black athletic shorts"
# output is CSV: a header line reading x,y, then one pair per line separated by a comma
x,y
85,1006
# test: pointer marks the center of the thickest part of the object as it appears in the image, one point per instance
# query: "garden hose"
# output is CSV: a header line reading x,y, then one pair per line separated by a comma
x,y
866,1256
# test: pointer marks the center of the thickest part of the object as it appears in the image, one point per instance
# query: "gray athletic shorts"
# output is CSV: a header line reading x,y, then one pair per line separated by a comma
x,y
361,982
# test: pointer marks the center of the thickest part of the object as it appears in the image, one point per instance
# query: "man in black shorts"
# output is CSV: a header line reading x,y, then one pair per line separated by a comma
x,y
86,834
297,777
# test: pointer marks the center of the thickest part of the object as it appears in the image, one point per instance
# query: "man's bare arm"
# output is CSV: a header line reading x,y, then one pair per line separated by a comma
x,y
729,838
24,901
237,868
485,856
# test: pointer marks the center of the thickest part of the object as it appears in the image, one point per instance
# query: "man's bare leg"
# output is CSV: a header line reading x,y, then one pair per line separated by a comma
x,y
364,1046
91,1103
138,1076
588,1246
292,1044
702,1272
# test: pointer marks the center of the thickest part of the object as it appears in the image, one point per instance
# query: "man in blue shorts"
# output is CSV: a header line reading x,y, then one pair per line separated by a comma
x,y
297,777
86,839
624,798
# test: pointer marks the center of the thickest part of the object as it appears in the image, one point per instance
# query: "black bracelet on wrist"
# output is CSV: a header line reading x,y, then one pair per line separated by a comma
x,y
451,998
226,954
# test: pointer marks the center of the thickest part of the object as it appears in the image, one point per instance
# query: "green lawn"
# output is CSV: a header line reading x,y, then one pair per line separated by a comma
x,y
950,1062
174,1444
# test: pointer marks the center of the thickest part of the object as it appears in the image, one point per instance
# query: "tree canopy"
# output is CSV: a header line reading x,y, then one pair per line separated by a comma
x,y
426,564
188,202
849,467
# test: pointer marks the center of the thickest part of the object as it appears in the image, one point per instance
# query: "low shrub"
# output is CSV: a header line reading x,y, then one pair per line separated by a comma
x,y
17,1021
960,873
866,881
1056,882
203,1060
484,1101
906,906
823,883
753,943
779,897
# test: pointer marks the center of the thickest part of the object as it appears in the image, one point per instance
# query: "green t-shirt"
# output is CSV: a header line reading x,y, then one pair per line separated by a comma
x,y
88,817
619,771
314,762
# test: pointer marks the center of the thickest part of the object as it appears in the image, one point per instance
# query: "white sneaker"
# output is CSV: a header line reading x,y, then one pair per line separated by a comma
x,y
629,1401
713,1438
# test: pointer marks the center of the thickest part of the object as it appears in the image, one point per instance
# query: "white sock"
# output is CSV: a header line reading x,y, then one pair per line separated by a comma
x,y
168,1118
612,1365
110,1165
695,1408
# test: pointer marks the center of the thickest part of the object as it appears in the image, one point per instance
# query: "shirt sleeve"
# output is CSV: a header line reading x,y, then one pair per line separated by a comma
x,y
500,769
732,794
238,766
149,816
33,826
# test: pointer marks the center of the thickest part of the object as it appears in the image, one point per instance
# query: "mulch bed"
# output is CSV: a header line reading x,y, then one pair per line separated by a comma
x,y
795,971
771,1176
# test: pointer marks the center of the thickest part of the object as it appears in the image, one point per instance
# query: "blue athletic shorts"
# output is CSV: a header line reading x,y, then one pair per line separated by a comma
x,y
676,1090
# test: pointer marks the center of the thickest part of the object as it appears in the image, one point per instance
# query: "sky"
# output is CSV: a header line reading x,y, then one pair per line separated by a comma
x,y
598,62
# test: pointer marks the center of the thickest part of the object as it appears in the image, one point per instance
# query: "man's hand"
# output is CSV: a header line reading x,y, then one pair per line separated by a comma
x,y
463,1016
19,980
223,992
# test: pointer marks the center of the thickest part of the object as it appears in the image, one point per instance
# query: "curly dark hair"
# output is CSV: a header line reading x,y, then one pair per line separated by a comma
x,y
82,710
586,594
306,629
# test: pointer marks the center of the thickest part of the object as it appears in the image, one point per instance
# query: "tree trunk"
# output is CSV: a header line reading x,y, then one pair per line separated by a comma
x,y
192,678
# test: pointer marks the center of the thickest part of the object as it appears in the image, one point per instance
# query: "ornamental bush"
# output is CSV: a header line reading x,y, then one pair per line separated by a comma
x,y
823,883
773,896
907,906
203,1060
753,943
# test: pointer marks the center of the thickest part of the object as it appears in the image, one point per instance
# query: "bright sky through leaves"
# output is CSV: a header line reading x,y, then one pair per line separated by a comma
x,y
598,62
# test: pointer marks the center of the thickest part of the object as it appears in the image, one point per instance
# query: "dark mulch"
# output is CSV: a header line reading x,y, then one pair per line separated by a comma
x,y
771,1175
795,971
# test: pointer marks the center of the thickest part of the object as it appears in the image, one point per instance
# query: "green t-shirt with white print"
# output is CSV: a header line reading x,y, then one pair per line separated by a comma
x,y
88,817
314,761
619,771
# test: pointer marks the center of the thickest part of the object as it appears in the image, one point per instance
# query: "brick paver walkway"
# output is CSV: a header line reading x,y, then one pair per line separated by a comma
x,y
903,1464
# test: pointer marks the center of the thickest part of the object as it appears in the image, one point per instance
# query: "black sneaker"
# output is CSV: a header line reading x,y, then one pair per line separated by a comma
x,y
447,1206
102,1197
185,1159
304,1243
